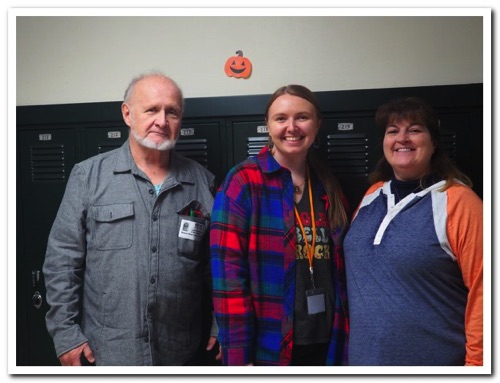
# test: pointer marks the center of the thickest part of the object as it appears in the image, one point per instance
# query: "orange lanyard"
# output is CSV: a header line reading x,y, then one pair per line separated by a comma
x,y
309,247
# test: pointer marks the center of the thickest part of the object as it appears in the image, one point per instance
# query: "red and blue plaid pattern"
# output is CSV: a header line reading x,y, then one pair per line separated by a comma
x,y
253,252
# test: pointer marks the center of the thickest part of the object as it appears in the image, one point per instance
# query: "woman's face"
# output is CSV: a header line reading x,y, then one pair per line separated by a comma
x,y
408,148
293,125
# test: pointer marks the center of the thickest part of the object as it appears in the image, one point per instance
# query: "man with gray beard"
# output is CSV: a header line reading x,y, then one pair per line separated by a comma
x,y
127,262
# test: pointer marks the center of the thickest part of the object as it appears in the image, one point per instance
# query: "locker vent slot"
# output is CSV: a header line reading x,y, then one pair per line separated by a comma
x,y
449,143
47,163
106,147
255,145
196,149
348,154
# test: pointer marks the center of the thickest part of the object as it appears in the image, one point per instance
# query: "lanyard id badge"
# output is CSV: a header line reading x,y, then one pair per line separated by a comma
x,y
315,301
316,297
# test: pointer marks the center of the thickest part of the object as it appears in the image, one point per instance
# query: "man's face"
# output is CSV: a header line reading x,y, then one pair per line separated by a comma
x,y
154,113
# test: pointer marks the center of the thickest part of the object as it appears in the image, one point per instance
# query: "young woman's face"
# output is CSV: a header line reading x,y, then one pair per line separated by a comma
x,y
293,125
408,148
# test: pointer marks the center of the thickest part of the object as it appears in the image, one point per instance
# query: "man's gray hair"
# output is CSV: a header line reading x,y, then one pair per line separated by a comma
x,y
135,80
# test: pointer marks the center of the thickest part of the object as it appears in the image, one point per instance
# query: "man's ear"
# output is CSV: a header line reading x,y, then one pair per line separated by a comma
x,y
126,113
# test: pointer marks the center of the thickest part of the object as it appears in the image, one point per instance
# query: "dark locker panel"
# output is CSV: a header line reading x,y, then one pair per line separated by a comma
x,y
203,141
477,156
248,136
103,138
48,157
461,139
350,146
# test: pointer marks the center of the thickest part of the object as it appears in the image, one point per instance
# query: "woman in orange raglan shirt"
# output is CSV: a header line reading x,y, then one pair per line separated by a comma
x,y
414,252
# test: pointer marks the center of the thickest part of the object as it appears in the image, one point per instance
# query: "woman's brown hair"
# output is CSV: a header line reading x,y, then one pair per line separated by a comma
x,y
416,110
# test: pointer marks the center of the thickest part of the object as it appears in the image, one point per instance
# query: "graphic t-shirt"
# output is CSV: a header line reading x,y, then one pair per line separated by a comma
x,y
315,328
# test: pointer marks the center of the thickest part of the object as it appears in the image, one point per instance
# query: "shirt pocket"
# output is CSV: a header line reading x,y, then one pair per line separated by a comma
x,y
113,226
192,227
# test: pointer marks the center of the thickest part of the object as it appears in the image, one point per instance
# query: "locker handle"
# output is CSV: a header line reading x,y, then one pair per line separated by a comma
x,y
37,299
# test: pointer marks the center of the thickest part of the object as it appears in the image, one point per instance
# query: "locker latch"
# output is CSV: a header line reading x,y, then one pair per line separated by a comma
x,y
37,297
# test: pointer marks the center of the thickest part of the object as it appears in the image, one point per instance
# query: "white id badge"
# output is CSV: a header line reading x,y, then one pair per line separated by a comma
x,y
191,230
315,301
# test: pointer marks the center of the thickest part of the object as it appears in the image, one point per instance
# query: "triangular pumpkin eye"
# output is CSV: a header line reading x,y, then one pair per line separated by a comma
x,y
242,63
234,63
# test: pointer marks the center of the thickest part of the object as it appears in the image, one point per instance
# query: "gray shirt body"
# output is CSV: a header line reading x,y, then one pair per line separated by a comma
x,y
125,269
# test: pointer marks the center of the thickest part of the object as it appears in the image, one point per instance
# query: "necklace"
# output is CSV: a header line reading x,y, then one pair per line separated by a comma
x,y
296,188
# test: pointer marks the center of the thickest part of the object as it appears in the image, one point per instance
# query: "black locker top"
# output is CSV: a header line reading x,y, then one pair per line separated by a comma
x,y
439,96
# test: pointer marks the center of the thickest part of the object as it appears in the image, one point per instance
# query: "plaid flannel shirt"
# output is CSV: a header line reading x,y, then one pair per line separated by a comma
x,y
253,252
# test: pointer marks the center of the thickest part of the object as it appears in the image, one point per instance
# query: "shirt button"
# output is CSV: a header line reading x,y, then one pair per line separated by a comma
x,y
153,249
151,191
152,280
155,217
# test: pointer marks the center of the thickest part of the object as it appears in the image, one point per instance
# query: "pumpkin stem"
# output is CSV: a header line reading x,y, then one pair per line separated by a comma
x,y
239,53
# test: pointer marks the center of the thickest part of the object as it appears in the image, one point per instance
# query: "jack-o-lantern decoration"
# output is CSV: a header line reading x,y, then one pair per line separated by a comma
x,y
238,66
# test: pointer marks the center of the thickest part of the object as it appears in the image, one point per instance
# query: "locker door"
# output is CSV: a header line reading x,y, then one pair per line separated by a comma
x,y
248,138
103,138
45,159
351,148
203,141
463,142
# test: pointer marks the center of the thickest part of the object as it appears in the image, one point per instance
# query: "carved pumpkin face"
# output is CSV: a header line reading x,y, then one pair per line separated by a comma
x,y
238,66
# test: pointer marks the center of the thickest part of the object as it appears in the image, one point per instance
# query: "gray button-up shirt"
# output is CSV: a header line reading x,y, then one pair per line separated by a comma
x,y
125,269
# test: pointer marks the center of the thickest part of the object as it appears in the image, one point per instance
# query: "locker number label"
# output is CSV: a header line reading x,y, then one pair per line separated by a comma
x,y
115,134
187,132
345,126
262,129
45,137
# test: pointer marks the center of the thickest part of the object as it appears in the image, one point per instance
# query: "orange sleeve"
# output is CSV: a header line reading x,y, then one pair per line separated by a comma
x,y
465,235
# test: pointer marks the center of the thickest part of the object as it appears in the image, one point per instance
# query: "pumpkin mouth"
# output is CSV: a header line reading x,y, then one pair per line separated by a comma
x,y
234,70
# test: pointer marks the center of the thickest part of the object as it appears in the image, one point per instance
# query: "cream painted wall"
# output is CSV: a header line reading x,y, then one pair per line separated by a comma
x,y
73,59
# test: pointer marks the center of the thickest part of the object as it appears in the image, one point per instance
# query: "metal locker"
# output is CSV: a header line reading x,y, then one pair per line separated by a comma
x,y
202,140
45,158
103,138
463,142
350,147
248,136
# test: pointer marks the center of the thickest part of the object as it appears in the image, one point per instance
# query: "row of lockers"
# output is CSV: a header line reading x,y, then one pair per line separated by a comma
x,y
218,133
350,145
